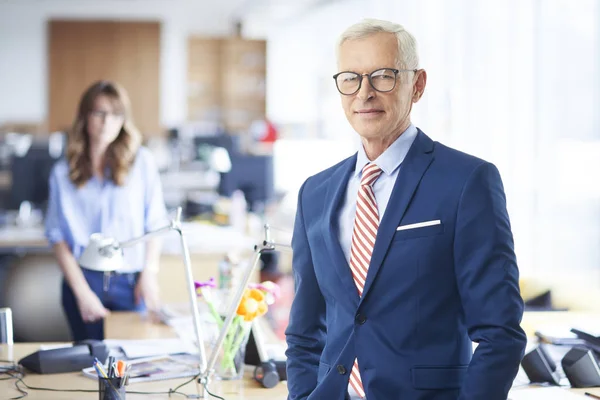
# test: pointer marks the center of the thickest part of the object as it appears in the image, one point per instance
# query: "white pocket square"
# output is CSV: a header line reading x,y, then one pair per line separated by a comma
x,y
419,225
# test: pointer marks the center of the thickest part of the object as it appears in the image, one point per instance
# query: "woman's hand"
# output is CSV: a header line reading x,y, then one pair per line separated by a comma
x,y
91,307
147,290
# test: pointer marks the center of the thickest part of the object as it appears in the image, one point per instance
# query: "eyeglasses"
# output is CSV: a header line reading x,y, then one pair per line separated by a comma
x,y
103,114
382,80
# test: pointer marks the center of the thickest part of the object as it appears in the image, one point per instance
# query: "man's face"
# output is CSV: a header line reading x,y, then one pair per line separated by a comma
x,y
375,115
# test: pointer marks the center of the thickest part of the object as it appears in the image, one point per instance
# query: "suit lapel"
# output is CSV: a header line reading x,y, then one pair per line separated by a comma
x,y
413,167
336,189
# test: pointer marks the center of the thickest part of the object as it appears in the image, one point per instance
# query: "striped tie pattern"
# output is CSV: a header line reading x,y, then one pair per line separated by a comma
x,y
364,233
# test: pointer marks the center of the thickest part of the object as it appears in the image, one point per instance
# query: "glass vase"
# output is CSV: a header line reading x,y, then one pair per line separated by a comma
x,y
229,364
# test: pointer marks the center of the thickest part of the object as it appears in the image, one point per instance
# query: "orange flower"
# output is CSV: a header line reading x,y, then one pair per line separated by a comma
x,y
253,305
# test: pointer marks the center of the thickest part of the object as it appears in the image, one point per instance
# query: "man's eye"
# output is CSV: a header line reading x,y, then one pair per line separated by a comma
x,y
382,77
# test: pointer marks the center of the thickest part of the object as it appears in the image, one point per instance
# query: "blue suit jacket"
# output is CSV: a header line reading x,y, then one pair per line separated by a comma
x,y
429,291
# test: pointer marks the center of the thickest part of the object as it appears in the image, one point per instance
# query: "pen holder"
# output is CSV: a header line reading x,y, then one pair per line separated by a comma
x,y
111,389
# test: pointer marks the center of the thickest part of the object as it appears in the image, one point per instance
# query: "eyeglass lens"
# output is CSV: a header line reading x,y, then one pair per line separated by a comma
x,y
382,80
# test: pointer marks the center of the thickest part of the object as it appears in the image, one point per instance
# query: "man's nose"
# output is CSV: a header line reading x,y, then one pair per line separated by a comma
x,y
366,91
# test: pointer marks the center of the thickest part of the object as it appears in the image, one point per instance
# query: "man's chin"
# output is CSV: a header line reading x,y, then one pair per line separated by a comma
x,y
368,132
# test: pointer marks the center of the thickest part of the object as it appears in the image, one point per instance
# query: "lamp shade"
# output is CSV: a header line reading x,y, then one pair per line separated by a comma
x,y
102,254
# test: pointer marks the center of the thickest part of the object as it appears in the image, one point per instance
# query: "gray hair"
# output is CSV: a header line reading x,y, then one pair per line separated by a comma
x,y
407,44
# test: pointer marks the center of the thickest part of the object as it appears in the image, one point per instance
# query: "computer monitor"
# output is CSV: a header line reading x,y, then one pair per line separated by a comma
x,y
30,175
253,175
228,142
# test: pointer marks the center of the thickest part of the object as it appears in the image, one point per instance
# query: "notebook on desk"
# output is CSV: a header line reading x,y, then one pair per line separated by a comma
x,y
158,368
144,348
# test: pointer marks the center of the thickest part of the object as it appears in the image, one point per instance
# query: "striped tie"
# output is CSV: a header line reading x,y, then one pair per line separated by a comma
x,y
366,223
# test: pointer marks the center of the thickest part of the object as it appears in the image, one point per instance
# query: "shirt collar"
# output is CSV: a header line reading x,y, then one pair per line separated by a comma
x,y
392,157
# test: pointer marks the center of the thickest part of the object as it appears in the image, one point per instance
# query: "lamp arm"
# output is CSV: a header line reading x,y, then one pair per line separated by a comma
x,y
267,244
174,225
146,236
191,289
259,339
231,313
274,245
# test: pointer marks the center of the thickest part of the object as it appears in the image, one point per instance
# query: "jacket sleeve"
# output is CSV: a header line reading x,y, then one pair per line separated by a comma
x,y
488,281
305,333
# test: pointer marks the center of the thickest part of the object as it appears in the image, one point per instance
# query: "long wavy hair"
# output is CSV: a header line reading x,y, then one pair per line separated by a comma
x,y
120,154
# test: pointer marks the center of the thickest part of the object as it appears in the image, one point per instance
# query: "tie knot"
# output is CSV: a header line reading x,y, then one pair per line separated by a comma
x,y
370,173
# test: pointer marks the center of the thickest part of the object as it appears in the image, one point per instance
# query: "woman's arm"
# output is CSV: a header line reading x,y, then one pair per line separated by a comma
x,y
89,304
153,248
71,269
147,288
155,216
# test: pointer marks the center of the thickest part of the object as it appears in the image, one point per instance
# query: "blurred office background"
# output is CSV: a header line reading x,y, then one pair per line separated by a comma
x,y
515,82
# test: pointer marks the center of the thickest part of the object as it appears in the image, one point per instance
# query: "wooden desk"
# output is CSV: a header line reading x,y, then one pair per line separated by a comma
x,y
36,274
17,238
127,326
242,389
201,238
133,326
533,321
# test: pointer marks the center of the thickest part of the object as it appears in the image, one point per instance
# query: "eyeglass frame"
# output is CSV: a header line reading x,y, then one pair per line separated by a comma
x,y
394,70
103,115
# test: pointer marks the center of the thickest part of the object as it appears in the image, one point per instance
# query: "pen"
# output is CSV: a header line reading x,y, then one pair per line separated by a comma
x,y
111,370
98,371
593,396
125,379
99,368
120,368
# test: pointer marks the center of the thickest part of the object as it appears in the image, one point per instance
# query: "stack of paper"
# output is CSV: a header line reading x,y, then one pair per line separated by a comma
x,y
544,393
151,347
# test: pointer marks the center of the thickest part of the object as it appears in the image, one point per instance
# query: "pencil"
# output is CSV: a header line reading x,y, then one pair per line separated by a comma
x,y
99,368
593,396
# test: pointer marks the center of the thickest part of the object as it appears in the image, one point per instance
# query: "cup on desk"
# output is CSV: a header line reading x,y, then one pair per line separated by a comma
x,y
6,326
111,389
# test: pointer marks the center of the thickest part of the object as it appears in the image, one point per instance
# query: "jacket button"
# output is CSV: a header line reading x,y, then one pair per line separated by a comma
x,y
361,319
341,369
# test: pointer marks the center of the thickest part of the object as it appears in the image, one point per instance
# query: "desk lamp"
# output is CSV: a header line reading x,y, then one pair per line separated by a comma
x,y
106,254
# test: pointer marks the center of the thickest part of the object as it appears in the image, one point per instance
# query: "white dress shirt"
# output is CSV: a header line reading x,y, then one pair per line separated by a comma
x,y
390,162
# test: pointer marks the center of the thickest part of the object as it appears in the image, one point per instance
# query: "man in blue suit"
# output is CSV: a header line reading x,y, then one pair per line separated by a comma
x,y
403,253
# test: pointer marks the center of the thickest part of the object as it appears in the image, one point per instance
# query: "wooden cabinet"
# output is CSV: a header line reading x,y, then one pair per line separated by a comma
x,y
226,81
82,52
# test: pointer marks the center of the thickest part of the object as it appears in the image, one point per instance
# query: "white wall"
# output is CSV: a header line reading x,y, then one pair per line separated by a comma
x,y
23,47
508,81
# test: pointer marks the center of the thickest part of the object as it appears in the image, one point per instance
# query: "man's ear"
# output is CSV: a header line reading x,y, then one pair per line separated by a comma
x,y
419,87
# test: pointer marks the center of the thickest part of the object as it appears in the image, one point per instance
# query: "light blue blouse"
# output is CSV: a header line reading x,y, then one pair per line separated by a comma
x,y
121,212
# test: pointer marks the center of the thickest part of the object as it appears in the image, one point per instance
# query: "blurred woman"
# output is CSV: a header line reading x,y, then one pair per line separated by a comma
x,y
108,184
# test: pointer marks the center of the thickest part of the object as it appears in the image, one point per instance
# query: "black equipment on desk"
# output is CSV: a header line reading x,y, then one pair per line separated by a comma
x,y
268,372
581,368
67,359
589,340
539,367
